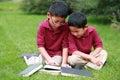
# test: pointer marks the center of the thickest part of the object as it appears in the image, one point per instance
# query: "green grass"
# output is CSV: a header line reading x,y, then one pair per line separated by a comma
x,y
9,5
18,35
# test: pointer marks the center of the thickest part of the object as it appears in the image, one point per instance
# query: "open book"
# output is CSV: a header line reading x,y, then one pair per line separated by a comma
x,y
30,70
31,59
51,69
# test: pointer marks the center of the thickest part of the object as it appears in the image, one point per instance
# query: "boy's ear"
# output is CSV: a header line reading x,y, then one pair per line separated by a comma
x,y
48,15
86,26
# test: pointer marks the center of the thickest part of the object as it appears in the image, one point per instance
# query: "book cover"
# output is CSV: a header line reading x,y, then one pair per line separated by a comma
x,y
30,70
74,72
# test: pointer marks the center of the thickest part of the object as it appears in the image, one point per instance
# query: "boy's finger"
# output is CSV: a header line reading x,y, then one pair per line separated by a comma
x,y
56,63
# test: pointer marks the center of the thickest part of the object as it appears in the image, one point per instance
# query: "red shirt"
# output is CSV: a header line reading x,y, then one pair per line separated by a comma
x,y
85,43
52,41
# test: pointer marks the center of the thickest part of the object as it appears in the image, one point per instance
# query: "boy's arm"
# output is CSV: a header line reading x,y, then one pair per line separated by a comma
x,y
65,57
83,55
44,53
96,52
88,57
46,56
97,44
65,49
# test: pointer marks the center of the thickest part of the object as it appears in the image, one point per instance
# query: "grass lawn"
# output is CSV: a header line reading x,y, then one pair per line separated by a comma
x,y
18,35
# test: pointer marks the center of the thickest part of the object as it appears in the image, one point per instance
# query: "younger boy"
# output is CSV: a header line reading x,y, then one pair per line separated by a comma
x,y
52,35
81,40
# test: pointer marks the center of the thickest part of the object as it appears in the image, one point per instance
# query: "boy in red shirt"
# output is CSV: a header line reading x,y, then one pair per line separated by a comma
x,y
81,40
52,35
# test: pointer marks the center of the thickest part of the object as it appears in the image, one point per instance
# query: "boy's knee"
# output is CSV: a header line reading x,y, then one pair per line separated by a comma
x,y
75,59
72,59
104,53
58,59
103,56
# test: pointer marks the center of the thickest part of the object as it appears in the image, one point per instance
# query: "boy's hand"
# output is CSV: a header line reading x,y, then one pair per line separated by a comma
x,y
53,62
96,61
66,65
94,55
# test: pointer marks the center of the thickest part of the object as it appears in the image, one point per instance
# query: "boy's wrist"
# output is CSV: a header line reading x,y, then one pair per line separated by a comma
x,y
52,62
91,57
49,59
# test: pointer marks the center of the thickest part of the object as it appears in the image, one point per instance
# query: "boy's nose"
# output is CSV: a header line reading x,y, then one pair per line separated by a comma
x,y
75,34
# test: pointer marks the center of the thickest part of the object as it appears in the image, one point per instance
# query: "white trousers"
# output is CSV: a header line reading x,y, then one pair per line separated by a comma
x,y
57,58
75,59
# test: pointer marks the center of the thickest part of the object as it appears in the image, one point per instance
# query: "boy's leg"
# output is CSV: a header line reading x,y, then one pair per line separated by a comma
x,y
75,59
58,59
102,57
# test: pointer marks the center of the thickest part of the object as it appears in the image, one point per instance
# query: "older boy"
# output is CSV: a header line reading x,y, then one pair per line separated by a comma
x,y
52,35
81,40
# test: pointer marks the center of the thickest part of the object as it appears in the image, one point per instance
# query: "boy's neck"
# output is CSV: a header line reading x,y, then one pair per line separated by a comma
x,y
54,28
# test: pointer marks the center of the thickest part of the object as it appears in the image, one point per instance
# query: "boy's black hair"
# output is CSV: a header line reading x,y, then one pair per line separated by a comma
x,y
77,19
59,8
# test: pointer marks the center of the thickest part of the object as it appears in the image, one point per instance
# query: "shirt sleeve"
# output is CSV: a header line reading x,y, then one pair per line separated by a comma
x,y
97,42
40,37
65,39
71,42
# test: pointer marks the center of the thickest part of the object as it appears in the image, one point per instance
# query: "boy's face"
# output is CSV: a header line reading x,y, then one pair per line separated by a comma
x,y
77,32
56,21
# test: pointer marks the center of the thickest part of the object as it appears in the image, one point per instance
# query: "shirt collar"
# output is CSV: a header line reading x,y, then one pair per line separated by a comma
x,y
47,25
88,31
